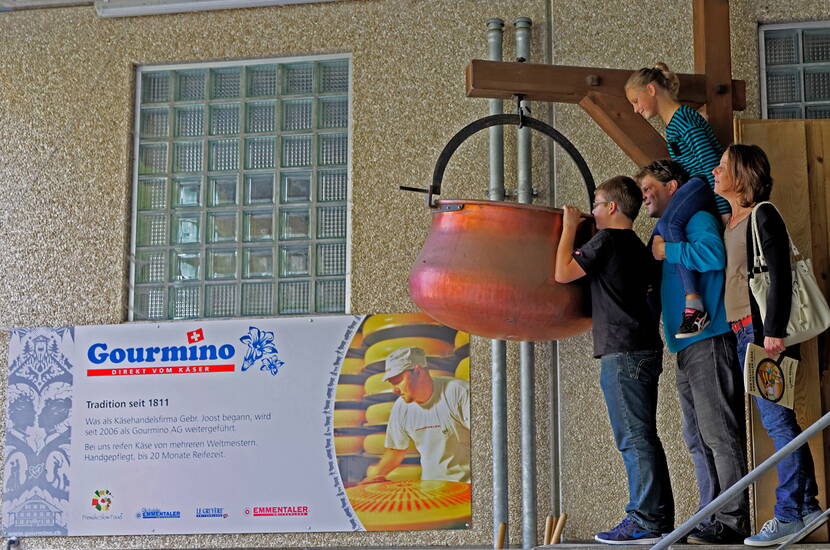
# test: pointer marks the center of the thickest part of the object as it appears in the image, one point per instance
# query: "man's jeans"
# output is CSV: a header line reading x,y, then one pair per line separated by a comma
x,y
691,197
629,384
710,387
796,493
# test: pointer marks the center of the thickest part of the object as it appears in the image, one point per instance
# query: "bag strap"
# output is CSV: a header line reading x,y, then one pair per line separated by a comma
x,y
760,260
760,263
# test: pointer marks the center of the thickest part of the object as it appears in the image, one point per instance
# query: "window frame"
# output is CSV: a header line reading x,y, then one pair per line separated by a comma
x,y
800,27
276,243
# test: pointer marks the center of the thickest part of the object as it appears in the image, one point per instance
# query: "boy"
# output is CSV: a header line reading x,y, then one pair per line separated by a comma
x,y
626,340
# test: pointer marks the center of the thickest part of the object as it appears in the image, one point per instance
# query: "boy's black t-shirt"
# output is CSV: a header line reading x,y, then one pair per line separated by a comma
x,y
622,273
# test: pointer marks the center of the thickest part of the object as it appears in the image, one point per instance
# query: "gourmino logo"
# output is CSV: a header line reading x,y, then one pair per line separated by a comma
x,y
102,500
261,349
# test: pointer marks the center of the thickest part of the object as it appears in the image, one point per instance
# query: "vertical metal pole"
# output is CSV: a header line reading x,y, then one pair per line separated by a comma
x,y
554,402
498,348
526,358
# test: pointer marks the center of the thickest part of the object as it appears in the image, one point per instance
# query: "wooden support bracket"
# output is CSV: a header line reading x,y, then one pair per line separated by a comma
x,y
614,115
600,92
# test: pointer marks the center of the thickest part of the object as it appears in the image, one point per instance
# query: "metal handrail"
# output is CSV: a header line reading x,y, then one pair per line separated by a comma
x,y
743,483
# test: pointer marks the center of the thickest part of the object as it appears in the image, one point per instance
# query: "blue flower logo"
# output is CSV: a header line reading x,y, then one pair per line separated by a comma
x,y
260,348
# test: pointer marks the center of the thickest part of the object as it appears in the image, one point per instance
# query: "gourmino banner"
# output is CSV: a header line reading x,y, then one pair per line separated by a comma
x,y
240,426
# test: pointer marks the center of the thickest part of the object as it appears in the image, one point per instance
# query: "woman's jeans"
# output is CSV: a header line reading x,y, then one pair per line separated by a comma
x,y
796,493
629,384
691,197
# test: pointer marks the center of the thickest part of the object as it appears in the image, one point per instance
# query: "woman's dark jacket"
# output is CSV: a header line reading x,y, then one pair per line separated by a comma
x,y
775,244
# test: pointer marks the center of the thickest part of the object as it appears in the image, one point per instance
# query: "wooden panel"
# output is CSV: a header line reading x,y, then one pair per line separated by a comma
x,y
566,84
786,145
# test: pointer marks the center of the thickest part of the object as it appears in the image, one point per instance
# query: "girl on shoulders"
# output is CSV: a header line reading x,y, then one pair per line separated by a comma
x,y
652,91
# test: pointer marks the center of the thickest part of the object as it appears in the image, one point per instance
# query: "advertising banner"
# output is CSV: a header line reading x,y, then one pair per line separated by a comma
x,y
256,425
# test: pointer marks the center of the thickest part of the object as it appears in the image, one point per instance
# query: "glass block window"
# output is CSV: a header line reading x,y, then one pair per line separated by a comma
x,y
240,189
795,70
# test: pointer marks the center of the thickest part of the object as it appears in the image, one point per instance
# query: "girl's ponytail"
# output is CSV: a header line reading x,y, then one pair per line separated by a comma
x,y
659,75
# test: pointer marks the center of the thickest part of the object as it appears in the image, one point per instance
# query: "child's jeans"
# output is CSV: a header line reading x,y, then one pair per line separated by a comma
x,y
690,198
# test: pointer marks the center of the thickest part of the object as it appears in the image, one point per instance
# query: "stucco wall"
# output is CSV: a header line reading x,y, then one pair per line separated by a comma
x,y
66,98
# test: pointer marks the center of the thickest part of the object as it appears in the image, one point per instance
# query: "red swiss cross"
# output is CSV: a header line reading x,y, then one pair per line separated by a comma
x,y
195,336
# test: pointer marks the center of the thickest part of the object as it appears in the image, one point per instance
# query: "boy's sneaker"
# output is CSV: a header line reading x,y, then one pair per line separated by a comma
x,y
694,321
774,532
628,532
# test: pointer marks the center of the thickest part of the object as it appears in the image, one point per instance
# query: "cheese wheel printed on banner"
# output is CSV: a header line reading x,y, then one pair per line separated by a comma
x,y
349,418
438,372
376,384
411,505
463,369
375,444
379,413
348,444
351,365
404,472
375,323
348,392
431,346
461,339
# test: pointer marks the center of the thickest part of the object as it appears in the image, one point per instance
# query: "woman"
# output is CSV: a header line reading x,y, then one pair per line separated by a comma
x,y
743,178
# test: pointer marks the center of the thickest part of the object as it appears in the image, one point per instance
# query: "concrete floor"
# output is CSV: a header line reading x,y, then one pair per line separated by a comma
x,y
595,546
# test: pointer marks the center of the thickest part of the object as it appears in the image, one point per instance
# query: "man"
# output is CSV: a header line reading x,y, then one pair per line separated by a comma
x,y
709,380
627,343
432,412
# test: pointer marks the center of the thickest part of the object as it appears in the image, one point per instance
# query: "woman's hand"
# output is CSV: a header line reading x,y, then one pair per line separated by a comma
x,y
658,247
773,346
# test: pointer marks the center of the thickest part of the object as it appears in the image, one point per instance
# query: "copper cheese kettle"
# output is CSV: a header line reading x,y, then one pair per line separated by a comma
x,y
487,267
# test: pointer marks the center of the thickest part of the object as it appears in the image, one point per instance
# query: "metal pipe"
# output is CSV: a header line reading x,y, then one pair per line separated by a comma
x,y
528,436
526,349
554,401
743,483
495,30
498,348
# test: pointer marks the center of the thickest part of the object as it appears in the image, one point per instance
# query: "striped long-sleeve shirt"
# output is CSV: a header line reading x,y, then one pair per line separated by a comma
x,y
693,144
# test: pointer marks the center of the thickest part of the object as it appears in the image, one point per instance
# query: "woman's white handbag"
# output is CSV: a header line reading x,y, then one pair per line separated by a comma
x,y
809,315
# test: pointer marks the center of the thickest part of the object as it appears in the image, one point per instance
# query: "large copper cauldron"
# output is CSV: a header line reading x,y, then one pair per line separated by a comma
x,y
487,267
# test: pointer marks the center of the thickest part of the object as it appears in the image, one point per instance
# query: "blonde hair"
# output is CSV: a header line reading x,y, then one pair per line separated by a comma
x,y
659,75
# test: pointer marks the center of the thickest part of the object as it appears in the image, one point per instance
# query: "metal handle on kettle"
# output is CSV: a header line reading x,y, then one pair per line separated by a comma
x,y
504,120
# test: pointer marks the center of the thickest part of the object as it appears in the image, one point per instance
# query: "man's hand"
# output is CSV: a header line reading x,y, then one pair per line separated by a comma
x,y
773,346
658,247
571,217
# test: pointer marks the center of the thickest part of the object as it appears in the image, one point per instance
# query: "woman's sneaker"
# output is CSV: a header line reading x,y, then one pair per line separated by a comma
x,y
807,519
628,532
774,532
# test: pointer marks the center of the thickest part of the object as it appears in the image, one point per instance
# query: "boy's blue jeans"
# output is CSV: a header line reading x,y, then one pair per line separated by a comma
x,y
629,384
690,198
796,493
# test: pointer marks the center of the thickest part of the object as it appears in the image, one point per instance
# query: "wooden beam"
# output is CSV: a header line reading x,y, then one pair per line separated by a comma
x,y
713,59
632,133
567,84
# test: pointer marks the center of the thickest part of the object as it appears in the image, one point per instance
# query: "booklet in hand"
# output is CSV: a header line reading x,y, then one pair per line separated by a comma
x,y
772,379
